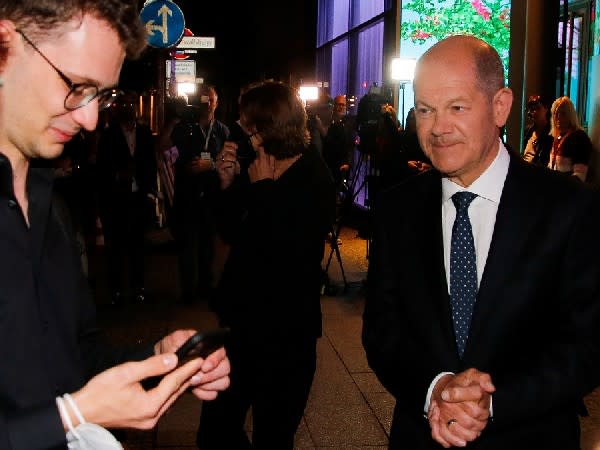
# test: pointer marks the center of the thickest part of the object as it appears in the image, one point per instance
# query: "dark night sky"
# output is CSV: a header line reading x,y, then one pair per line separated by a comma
x,y
254,40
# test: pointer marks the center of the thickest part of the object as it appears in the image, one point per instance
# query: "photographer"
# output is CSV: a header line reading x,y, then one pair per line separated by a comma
x,y
198,137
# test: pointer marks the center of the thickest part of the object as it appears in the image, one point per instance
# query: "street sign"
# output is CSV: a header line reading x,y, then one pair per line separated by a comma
x,y
185,71
182,67
197,42
164,23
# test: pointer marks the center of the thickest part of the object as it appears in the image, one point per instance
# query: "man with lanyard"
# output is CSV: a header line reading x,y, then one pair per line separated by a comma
x,y
198,137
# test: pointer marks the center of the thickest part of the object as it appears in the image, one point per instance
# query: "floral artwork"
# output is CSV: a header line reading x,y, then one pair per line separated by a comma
x,y
425,20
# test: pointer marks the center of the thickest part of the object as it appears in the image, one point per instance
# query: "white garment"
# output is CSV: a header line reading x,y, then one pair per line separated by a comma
x,y
86,436
482,211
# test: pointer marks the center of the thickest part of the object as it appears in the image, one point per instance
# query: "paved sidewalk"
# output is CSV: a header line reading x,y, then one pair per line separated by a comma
x,y
347,409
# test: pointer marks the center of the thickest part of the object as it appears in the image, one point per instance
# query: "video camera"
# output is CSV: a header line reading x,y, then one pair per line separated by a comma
x,y
191,114
371,111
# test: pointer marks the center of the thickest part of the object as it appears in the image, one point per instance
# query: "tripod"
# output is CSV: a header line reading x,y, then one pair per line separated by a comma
x,y
346,197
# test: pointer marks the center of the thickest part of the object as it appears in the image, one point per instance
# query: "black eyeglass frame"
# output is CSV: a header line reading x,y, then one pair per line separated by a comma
x,y
106,97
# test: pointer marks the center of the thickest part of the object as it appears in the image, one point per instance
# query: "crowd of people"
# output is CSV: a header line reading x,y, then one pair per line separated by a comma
x,y
484,325
555,138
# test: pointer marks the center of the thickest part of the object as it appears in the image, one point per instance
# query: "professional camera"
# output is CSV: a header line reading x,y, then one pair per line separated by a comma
x,y
371,111
191,114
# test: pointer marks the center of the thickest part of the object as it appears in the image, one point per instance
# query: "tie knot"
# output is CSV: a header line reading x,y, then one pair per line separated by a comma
x,y
462,200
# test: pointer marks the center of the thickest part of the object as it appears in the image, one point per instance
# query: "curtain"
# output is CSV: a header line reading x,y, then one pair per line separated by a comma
x,y
339,68
369,60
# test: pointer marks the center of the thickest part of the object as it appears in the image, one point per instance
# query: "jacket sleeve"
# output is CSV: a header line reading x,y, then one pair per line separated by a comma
x,y
36,429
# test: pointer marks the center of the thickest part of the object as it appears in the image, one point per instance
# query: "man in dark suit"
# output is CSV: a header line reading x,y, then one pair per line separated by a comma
x,y
126,189
503,359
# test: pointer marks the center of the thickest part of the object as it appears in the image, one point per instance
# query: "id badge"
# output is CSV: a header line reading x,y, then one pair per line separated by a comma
x,y
205,155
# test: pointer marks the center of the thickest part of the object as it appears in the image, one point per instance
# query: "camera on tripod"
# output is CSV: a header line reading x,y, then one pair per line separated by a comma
x,y
192,114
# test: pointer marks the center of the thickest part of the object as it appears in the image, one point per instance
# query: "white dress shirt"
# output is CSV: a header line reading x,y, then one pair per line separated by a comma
x,y
482,214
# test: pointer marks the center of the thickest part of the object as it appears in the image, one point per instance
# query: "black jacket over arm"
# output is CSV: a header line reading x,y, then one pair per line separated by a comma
x,y
535,324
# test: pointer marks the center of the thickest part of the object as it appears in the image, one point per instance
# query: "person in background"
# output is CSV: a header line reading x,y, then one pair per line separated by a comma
x,y
572,147
484,322
409,142
276,226
59,65
338,142
126,168
198,137
537,136
319,116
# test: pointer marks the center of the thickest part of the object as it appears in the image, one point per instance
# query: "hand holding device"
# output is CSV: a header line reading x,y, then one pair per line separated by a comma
x,y
199,345
202,344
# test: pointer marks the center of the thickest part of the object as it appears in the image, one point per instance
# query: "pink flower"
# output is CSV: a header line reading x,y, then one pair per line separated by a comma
x,y
481,9
420,35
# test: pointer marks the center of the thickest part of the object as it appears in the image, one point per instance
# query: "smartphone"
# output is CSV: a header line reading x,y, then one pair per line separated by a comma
x,y
202,344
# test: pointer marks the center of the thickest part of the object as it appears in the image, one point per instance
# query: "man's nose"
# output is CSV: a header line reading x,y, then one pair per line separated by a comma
x,y
87,116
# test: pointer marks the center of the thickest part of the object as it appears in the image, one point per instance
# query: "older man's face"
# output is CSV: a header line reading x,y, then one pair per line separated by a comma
x,y
457,124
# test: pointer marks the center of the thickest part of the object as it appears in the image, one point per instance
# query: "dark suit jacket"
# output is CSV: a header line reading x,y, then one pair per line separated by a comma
x,y
116,166
535,324
116,170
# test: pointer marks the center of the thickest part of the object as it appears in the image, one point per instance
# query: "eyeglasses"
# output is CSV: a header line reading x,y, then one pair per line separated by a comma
x,y
80,94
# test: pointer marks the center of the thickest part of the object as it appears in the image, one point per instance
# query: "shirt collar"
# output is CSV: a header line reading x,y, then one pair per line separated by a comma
x,y
490,183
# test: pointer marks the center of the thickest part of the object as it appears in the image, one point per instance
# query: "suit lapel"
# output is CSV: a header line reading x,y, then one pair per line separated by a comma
x,y
515,221
430,242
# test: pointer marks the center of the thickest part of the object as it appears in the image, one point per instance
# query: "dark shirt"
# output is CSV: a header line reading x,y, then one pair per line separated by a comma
x,y
190,140
338,145
277,231
542,145
51,344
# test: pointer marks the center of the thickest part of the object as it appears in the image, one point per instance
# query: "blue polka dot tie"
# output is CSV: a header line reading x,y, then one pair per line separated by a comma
x,y
463,269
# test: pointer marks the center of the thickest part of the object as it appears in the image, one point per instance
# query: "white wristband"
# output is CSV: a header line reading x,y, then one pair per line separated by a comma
x,y
86,435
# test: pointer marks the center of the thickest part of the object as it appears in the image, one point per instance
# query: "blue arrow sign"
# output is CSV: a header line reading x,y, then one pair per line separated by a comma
x,y
164,23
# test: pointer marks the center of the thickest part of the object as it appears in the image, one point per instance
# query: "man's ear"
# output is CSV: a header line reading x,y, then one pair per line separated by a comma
x,y
7,35
502,103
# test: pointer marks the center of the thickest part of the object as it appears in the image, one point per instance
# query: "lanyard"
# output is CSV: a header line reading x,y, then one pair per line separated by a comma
x,y
556,147
207,135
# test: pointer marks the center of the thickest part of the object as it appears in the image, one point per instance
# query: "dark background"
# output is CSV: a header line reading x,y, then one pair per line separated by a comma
x,y
254,40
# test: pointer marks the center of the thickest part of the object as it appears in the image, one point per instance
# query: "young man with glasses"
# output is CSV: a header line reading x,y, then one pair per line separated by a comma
x,y
59,64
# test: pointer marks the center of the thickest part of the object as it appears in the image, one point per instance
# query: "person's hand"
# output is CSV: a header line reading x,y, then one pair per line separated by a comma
x,y
344,167
198,165
116,399
171,342
263,166
227,164
212,377
459,409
